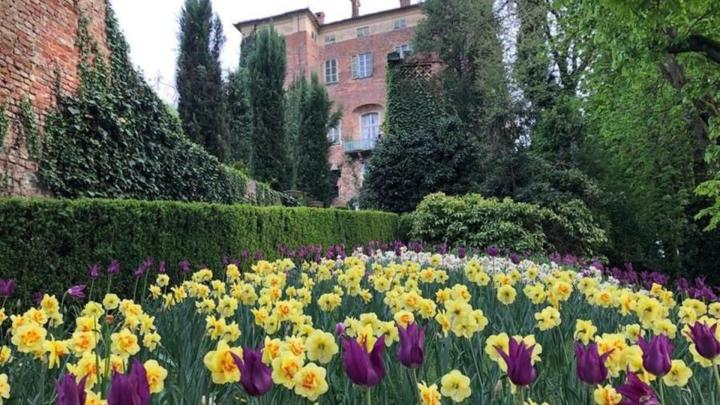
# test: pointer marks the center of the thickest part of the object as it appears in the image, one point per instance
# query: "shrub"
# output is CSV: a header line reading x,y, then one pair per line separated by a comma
x,y
49,244
476,221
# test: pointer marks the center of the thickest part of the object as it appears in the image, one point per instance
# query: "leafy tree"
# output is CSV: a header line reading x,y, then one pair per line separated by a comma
x,y
407,166
465,35
239,141
313,170
266,67
201,102
295,99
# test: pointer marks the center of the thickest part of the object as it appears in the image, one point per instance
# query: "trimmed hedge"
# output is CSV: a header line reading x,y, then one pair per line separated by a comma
x,y
49,244
473,220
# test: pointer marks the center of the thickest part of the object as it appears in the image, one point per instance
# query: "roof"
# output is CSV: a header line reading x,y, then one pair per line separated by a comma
x,y
266,20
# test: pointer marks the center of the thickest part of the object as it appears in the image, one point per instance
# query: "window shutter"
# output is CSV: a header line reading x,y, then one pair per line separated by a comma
x,y
355,67
370,65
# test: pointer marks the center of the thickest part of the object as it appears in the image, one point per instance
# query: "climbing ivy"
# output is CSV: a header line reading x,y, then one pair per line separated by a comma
x,y
29,128
115,138
3,126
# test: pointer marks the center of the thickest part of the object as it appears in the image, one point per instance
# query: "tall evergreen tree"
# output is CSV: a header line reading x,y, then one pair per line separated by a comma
x,y
266,68
201,103
313,170
295,98
239,140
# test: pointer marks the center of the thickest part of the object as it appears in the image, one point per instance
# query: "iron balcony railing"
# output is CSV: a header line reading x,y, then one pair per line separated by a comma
x,y
359,145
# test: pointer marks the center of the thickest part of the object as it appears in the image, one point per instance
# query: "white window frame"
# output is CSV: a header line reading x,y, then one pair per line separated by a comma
x,y
400,24
371,129
335,134
404,49
363,32
332,74
362,65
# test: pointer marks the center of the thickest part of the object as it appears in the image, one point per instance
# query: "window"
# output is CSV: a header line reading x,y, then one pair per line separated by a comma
x,y
331,71
370,124
362,65
404,50
334,134
314,36
363,32
400,24
329,39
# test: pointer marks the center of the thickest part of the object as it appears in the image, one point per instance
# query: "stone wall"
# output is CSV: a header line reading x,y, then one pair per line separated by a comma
x,y
38,55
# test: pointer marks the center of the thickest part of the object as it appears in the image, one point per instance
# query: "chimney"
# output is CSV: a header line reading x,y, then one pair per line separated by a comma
x,y
404,3
355,8
320,17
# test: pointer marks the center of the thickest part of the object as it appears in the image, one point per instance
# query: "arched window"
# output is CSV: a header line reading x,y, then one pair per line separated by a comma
x,y
370,124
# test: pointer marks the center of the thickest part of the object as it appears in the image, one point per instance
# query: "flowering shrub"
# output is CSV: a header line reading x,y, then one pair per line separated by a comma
x,y
401,324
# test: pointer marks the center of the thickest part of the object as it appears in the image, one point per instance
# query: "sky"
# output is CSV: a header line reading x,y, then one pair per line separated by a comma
x,y
151,27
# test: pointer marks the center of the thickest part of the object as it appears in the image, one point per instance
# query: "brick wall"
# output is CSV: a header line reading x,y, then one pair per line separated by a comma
x,y
37,39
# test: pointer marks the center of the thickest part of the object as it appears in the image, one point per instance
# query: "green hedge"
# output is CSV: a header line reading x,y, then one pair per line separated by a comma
x,y
476,221
49,244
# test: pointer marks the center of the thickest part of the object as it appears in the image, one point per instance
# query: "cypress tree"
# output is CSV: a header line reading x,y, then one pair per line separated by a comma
x,y
295,98
313,169
266,68
201,103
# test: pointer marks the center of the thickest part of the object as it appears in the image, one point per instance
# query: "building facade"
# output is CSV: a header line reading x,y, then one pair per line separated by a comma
x,y
350,57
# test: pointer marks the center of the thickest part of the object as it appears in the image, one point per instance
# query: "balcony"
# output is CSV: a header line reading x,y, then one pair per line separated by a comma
x,y
359,145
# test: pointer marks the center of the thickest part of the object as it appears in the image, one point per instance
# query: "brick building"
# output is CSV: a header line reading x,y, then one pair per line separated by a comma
x,y
350,57
37,54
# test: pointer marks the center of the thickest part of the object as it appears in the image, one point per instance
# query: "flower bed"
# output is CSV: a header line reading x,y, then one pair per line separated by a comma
x,y
399,324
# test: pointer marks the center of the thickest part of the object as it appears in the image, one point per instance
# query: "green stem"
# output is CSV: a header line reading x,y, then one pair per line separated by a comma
x,y
662,392
413,375
368,397
717,378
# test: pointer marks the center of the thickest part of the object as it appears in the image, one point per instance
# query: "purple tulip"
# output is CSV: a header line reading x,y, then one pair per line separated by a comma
x,y
7,288
94,271
492,251
340,329
590,364
363,368
258,255
70,392
131,388
704,339
161,267
461,252
519,362
77,291
411,351
657,354
255,376
636,392
514,258
114,267
185,266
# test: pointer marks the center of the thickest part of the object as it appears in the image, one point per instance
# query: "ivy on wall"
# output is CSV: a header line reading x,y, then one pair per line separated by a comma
x,y
29,128
3,126
116,139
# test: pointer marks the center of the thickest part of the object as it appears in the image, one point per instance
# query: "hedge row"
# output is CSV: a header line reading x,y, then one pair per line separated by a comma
x,y
49,244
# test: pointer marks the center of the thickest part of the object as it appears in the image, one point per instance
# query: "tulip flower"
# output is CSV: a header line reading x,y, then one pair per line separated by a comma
x,y
69,391
411,351
657,354
77,291
519,362
340,329
255,376
590,364
94,271
705,341
131,388
7,288
363,368
492,251
114,267
637,392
